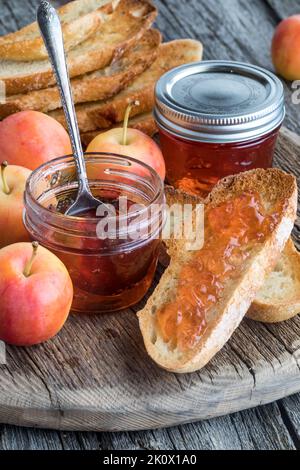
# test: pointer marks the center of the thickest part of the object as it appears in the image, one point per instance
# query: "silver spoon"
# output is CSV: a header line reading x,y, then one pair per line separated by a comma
x,y
51,30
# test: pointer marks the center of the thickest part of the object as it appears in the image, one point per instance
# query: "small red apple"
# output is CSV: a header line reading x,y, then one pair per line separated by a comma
x,y
30,138
285,48
131,143
36,294
12,186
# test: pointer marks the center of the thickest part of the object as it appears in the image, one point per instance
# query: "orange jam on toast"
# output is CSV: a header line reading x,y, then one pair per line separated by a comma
x,y
232,229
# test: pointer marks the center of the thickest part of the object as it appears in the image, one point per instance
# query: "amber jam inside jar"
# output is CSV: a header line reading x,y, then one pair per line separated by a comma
x,y
112,257
217,118
232,230
196,167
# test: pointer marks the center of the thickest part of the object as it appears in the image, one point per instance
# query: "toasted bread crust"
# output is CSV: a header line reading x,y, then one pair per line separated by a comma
x,y
289,306
99,85
275,186
105,114
144,123
34,49
27,43
272,184
124,28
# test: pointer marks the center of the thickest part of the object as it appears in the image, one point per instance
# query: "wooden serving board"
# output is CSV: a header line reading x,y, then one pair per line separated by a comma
x,y
95,375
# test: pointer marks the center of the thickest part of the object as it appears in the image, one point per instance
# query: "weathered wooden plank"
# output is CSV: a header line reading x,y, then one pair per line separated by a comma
x,y
13,438
260,428
15,14
291,408
285,8
79,441
8,20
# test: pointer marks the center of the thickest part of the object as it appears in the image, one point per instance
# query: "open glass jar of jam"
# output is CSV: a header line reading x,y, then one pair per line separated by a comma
x,y
217,118
111,257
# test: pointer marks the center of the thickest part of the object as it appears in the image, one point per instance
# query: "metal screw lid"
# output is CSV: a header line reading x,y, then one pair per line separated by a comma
x,y
219,101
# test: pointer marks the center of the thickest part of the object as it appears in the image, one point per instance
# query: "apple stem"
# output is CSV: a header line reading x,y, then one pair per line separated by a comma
x,y
126,120
28,266
5,186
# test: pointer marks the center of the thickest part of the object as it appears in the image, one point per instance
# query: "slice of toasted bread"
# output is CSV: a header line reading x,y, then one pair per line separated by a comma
x,y
279,298
144,123
104,114
80,20
124,28
278,191
99,85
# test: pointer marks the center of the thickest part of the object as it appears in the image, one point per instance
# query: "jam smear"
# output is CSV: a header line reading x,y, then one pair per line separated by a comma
x,y
232,229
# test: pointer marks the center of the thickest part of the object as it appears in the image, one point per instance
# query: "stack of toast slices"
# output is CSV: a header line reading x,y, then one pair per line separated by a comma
x,y
114,57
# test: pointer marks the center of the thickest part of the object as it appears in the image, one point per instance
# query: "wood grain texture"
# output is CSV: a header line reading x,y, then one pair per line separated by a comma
x,y
290,407
232,30
283,9
259,428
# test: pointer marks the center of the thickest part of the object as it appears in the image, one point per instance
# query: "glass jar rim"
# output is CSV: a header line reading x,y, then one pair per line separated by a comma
x,y
90,155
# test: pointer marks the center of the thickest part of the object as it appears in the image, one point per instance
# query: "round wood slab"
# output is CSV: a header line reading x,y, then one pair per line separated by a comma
x,y
96,376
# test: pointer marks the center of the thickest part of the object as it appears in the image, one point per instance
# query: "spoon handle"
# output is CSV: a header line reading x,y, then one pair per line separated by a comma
x,y
51,31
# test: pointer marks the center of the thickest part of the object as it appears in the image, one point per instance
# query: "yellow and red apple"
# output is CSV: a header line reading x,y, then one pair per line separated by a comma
x,y
285,48
30,138
36,294
130,143
12,185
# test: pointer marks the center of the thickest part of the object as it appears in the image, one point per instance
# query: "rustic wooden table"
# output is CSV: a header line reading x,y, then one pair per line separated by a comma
x,y
229,29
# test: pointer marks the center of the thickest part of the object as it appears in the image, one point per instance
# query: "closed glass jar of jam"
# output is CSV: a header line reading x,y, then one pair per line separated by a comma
x,y
217,118
111,257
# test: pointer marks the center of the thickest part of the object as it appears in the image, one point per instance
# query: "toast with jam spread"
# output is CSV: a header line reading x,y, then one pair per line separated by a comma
x,y
119,32
105,114
204,294
99,85
80,20
279,298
